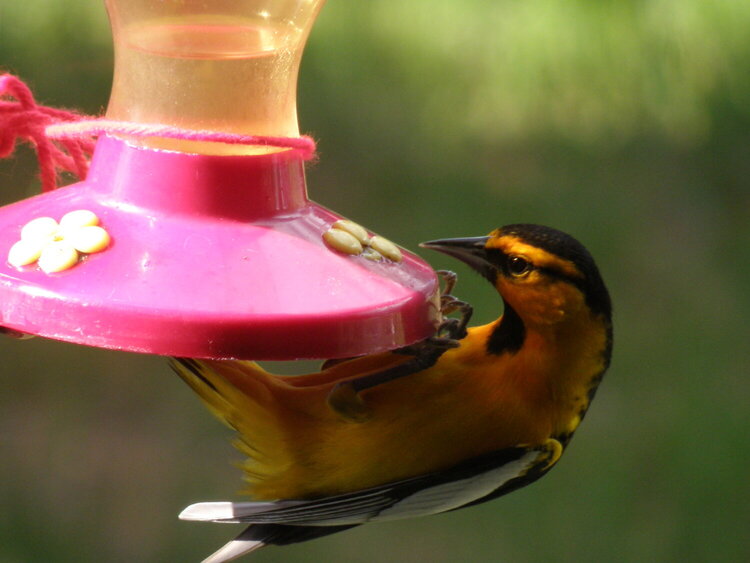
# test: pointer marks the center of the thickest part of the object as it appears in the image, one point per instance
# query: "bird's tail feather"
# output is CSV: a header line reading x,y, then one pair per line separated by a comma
x,y
258,535
238,547
220,511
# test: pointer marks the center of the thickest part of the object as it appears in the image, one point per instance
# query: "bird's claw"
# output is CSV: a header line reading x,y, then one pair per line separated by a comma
x,y
449,329
453,328
346,402
449,280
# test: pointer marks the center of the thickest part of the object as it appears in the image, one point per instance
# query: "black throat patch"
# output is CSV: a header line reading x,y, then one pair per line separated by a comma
x,y
509,335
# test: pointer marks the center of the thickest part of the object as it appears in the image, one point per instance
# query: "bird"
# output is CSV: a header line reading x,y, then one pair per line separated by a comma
x,y
490,410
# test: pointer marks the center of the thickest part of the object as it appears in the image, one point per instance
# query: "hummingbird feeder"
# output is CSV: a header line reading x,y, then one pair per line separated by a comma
x,y
192,234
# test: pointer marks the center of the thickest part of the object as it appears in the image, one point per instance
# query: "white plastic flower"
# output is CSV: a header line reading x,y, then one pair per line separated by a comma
x,y
58,246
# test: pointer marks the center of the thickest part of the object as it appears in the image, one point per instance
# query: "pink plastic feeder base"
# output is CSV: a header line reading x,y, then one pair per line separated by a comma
x,y
211,256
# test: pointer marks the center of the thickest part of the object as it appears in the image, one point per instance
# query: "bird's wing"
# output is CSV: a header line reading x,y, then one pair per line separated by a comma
x,y
474,481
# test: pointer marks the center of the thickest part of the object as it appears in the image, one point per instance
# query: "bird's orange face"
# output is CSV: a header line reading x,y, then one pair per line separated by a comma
x,y
546,276
539,285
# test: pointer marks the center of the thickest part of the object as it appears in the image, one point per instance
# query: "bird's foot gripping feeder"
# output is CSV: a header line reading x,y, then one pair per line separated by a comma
x,y
192,234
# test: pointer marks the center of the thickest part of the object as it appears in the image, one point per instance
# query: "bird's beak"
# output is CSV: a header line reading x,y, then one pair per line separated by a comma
x,y
471,250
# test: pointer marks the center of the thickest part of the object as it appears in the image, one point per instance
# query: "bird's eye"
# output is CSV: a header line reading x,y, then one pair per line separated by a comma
x,y
518,266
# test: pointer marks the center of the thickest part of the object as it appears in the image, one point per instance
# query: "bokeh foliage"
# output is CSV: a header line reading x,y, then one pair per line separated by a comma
x,y
624,122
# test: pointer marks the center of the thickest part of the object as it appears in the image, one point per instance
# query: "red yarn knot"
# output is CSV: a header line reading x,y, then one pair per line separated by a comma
x,y
24,119
64,139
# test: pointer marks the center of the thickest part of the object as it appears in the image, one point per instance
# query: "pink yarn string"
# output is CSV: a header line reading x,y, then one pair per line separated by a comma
x,y
90,127
25,119
64,139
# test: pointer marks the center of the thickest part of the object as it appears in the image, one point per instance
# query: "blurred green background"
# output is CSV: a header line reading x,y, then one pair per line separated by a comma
x,y
625,123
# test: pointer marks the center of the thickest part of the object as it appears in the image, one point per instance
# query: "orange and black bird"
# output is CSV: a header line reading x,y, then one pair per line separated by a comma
x,y
415,431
